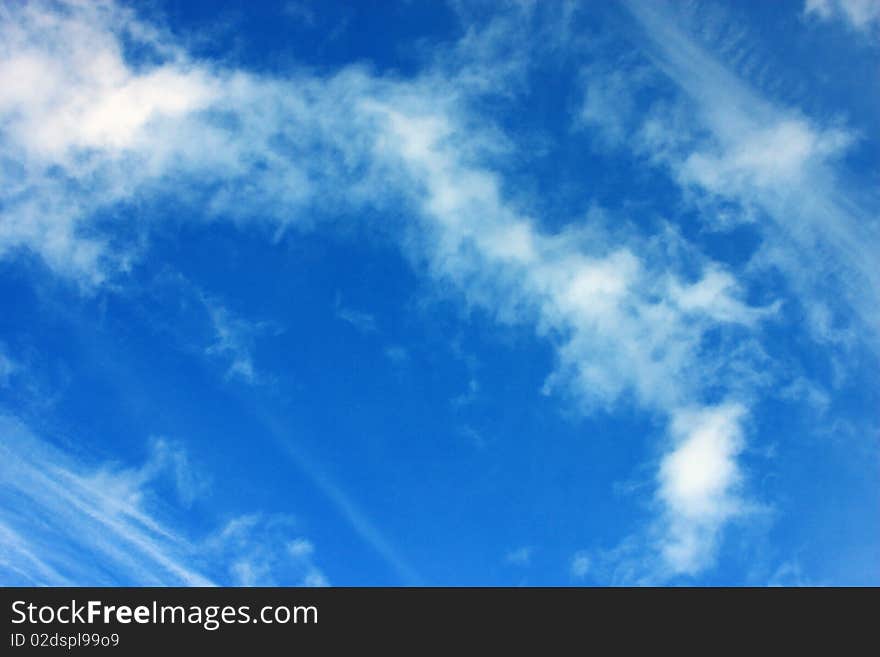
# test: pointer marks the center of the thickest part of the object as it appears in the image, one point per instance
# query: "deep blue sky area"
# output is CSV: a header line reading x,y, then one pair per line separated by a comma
x,y
271,37
426,293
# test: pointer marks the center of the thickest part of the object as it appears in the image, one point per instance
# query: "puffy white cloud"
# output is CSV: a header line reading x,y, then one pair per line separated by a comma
x,y
65,82
698,483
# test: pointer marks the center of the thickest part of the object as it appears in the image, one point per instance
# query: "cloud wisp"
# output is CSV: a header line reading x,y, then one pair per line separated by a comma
x,y
72,523
723,141
861,15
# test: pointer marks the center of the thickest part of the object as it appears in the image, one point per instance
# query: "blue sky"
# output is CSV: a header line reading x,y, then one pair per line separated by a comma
x,y
465,293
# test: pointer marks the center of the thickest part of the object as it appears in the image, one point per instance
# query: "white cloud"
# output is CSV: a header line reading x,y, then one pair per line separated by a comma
x,y
75,523
613,339
821,8
609,103
859,14
99,128
715,295
722,139
300,548
259,552
728,146
170,457
315,579
699,481
19,561
301,551
363,322
66,511
203,323
596,302
768,157
233,340
807,392
88,97
621,326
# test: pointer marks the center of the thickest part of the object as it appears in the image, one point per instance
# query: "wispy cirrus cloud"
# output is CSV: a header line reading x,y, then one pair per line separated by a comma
x,y
203,323
233,341
724,141
360,320
739,156
624,324
90,525
71,521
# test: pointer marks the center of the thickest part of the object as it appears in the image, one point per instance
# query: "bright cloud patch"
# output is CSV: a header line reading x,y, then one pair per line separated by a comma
x,y
699,480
